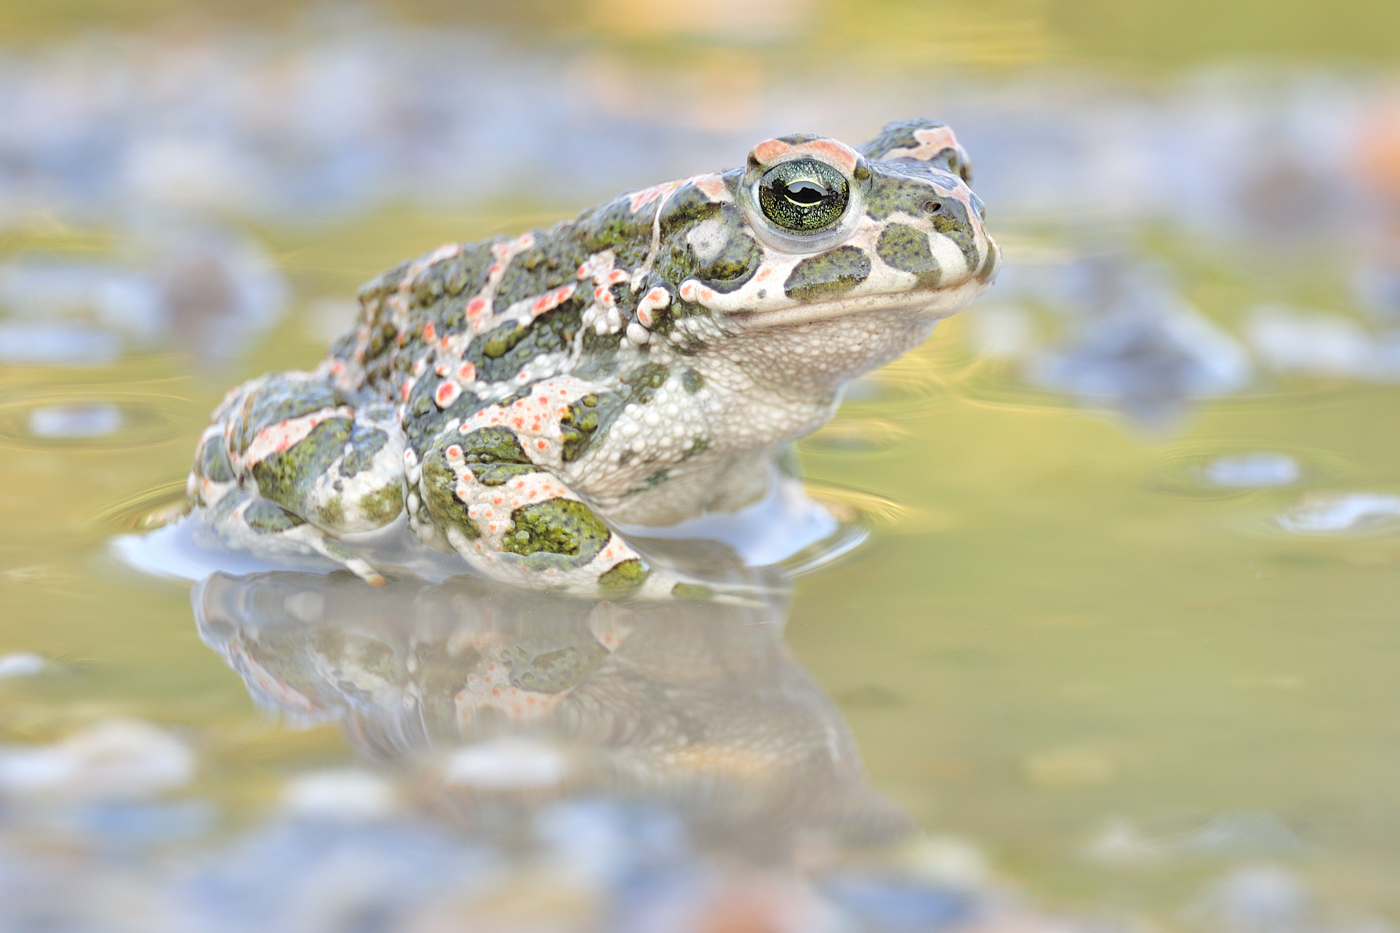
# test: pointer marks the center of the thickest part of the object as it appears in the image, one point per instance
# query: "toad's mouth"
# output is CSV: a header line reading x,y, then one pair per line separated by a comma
x,y
927,303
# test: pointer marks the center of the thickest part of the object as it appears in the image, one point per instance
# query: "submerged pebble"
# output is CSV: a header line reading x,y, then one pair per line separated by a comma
x,y
1242,471
55,345
344,796
114,760
20,664
1333,513
1255,899
507,764
1232,834
64,421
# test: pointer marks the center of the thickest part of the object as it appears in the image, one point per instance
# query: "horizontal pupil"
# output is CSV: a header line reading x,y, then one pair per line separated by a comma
x,y
805,193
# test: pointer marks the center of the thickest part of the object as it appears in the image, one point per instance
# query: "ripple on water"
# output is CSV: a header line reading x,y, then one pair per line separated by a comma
x,y
1210,472
1257,469
65,421
91,420
1342,513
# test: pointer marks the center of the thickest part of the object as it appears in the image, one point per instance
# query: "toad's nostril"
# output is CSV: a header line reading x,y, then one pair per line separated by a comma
x,y
933,207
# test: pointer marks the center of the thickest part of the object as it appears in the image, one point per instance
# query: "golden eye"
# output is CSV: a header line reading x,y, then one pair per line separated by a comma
x,y
803,196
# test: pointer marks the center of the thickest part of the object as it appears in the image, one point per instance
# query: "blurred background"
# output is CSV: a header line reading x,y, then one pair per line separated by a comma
x,y
1119,649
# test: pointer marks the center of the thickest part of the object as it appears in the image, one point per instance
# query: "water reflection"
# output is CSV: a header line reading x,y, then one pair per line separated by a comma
x,y
696,703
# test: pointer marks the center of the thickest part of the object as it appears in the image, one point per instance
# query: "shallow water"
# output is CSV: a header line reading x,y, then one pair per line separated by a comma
x,y
1118,647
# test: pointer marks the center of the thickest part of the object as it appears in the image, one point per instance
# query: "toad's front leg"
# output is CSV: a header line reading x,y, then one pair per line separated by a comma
x,y
515,521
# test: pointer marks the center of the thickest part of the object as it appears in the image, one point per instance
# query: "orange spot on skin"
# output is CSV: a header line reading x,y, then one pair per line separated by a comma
x,y
769,150
429,331
446,393
543,445
476,306
829,150
712,186
640,199
467,372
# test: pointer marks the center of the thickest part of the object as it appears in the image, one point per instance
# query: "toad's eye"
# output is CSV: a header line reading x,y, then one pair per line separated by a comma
x,y
804,195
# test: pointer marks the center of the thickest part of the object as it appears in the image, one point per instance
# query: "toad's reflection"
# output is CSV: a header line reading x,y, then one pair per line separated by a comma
x,y
485,690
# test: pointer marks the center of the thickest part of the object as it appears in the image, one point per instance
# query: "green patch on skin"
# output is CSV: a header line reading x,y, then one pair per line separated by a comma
x,y
494,444
384,506
330,514
923,192
287,477
692,591
501,340
643,382
737,261
828,275
552,669
383,284
905,248
382,337
277,400
907,187
266,516
449,278
211,463
588,418
956,228
624,578
494,455
498,474
614,226
560,526
553,261
733,264
692,381
439,487
510,347
364,444
686,207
